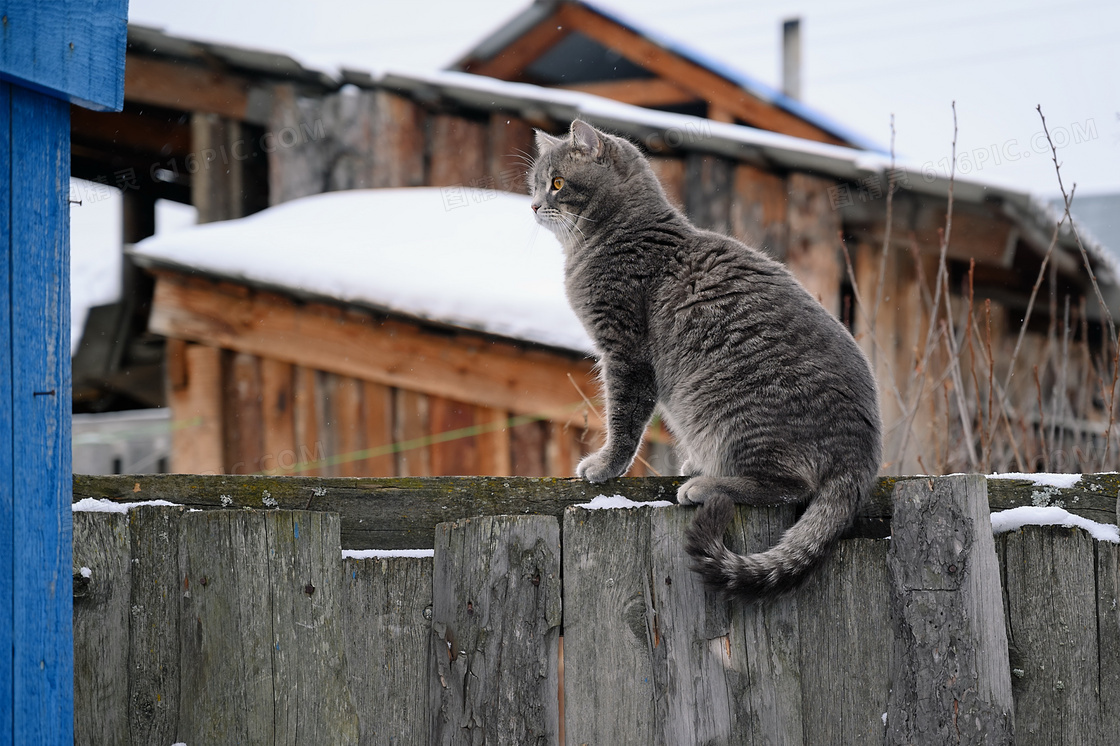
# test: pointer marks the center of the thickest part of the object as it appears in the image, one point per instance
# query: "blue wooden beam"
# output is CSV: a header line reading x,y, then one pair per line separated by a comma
x,y
65,48
37,495
7,423
52,53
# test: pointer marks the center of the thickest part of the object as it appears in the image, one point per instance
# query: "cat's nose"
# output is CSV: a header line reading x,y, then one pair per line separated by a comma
x,y
535,207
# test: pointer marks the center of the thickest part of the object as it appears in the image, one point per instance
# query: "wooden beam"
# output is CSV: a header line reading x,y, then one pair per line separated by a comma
x,y
670,171
185,87
814,240
707,85
511,62
196,411
411,428
278,417
402,513
377,402
511,143
759,210
133,130
241,413
458,152
464,367
639,91
493,442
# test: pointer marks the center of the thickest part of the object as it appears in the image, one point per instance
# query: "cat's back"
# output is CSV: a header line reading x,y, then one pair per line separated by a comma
x,y
729,316
713,280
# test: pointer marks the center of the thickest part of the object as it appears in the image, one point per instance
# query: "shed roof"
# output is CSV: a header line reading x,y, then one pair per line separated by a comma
x,y
468,258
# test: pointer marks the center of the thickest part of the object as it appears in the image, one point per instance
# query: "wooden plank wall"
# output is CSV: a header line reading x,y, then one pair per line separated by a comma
x,y
239,413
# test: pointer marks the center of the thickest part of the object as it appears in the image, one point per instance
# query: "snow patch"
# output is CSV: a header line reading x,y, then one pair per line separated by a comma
x,y
1060,481
603,502
1016,518
385,553
95,505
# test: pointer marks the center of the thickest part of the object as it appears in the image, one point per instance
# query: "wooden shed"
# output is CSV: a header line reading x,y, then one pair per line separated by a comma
x,y
372,332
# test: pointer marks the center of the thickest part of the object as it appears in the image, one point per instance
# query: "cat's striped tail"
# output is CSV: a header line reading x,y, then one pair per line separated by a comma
x,y
782,567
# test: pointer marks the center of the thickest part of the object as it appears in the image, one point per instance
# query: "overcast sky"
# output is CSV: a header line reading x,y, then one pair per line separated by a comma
x,y
862,61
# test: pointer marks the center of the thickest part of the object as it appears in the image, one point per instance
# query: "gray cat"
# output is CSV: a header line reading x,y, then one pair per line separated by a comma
x,y
768,396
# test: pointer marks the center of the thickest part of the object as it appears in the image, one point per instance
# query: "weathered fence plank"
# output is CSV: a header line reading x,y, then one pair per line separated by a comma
x,y
951,679
1108,635
386,622
609,635
262,655
846,661
691,647
495,630
401,513
1062,623
153,653
764,645
101,613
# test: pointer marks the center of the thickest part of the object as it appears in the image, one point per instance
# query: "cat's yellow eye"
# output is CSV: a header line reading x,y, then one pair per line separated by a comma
x,y
558,183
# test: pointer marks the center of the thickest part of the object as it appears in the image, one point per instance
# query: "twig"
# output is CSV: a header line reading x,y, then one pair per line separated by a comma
x,y
886,242
1068,200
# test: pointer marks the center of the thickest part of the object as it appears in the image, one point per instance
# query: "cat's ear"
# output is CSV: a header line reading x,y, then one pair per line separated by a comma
x,y
587,139
546,141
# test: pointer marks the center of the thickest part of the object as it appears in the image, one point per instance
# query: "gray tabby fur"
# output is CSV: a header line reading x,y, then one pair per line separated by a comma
x,y
769,398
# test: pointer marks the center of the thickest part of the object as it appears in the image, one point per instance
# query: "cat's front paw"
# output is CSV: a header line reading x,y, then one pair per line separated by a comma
x,y
694,492
597,468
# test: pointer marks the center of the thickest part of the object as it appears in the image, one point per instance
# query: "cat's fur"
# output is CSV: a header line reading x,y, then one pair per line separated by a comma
x,y
768,396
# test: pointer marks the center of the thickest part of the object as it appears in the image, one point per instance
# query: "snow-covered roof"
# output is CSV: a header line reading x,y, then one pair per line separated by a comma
x,y
470,258
771,149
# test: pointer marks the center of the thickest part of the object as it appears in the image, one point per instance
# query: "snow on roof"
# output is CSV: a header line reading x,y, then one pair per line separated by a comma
x,y
465,257
735,141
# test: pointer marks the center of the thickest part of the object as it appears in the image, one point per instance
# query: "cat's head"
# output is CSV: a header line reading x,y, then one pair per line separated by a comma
x,y
579,180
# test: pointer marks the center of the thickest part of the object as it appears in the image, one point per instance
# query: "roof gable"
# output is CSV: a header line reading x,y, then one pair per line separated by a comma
x,y
574,45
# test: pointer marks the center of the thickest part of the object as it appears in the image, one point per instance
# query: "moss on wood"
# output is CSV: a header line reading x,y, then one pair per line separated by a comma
x,y
402,512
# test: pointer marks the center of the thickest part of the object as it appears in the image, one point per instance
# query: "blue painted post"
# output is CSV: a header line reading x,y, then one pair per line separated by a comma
x,y
38,496
52,53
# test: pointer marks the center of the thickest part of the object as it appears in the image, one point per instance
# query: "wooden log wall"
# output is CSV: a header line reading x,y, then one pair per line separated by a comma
x,y
464,646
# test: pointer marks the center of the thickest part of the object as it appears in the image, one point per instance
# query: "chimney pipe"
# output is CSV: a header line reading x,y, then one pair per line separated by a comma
x,y
791,58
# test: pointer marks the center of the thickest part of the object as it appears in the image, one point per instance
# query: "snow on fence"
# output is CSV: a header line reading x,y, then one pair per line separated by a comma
x,y
201,621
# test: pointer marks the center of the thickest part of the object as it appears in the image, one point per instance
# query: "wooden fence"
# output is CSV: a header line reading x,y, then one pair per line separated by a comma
x,y
221,624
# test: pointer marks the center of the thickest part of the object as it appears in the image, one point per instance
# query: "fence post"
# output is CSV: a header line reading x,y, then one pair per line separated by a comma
x,y
102,588
496,631
951,680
